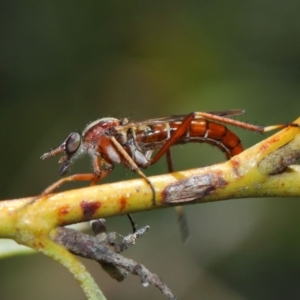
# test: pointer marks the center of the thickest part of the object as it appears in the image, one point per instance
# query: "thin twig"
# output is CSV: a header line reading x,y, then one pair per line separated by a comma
x,y
90,247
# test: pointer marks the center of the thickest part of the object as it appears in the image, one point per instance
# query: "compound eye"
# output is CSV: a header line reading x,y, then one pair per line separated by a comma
x,y
73,142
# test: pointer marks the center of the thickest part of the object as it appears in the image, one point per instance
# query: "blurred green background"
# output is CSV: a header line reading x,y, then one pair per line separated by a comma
x,y
66,63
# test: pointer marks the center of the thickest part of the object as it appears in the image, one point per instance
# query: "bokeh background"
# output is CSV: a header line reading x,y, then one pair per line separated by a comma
x,y
66,63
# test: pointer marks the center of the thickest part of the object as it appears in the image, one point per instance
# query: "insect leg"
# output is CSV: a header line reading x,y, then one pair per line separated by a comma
x,y
255,128
133,166
76,177
181,217
173,138
133,224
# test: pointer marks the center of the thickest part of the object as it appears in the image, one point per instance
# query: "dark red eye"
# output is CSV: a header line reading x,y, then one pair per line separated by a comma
x,y
72,144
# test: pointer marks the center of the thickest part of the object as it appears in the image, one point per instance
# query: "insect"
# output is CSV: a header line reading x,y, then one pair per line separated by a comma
x,y
137,145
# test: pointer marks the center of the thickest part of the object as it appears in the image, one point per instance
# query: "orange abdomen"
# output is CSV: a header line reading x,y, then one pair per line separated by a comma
x,y
201,131
218,135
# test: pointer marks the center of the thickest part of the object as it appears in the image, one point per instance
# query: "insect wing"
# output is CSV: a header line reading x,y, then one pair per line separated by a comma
x,y
228,113
174,118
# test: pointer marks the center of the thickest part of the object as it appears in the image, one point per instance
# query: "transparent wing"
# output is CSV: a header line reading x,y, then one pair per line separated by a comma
x,y
174,118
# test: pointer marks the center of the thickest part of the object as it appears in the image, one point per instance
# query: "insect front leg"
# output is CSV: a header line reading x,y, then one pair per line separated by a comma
x,y
76,177
99,172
